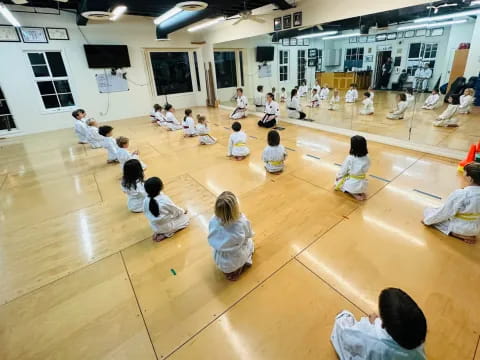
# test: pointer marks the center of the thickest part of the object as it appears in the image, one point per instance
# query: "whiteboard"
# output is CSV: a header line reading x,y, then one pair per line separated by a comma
x,y
265,71
108,83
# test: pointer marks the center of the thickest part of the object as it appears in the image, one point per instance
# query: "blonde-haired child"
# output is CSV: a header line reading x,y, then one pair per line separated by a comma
x,y
466,101
230,235
203,131
367,102
123,155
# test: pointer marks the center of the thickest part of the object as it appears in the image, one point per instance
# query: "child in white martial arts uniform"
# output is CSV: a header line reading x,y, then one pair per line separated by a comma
x,y
367,102
171,121
317,86
399,111
283,95
203,131
334,100
294,107
315,101
241,109
410,97
109,143
372,93
230,235
272,111
352,177
123,155
432,101
237,143
259,99
466,101
303,89
188,124
352,94
324,92
133,185
152,114
460,215
274,154
80,125
159,116
93,137
398,333
447,118
164,216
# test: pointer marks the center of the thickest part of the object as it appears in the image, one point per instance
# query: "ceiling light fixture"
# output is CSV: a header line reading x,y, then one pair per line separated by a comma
x,y
342,36
432,25
448,16
117,12
172,12
8,15
320,34
475,3
206,24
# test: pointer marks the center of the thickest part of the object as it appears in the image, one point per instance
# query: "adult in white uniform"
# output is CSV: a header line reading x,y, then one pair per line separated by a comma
x,y
259,99
164,216
272,111
171,122
432,101
447,118
460,215
422,75
399,332
237,143
274,154
133,185
294,107
241,110
367,102
402,105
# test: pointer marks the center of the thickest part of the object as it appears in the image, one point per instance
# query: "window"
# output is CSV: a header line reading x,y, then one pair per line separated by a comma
x,y
421,53
284,59
197,74
52,79
225,69
353,58
6,118
171,72
240,55
301,66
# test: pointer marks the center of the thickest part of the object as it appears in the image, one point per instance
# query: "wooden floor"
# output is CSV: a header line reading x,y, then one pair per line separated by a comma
x,y
81,278
422,131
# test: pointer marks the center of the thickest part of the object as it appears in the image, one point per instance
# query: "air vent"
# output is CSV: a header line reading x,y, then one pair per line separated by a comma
x,y
97,15
192,5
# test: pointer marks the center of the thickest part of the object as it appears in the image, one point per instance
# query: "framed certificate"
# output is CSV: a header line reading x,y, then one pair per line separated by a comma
x,y
8,34
277,24
285,41
57,34
287,21
33,35
293,41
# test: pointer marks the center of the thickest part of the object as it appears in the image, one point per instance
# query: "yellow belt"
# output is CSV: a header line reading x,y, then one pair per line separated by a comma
x,y
468,216
240,144
346,177
275,163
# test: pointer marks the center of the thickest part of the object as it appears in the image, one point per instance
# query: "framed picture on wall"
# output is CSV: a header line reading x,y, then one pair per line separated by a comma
x,y
319,66
287,21
409,33
362,39
421,32
277,24
398,61
369,58
297,19
391,36
8,34
300,42
293,42
371,38
57,34
381,37
352,39
312,53
437,32
33,35
312,62
306,42
285,42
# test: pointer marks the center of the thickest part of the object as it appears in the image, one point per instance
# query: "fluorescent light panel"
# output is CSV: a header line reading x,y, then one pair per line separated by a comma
x,y
172,12
206,24
321,34
342,36
8,15
448,16
475,3
117,12
432,25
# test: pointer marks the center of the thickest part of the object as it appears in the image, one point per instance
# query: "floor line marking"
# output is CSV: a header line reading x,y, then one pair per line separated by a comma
x,y
476,348
428,194
380,178
253,137
289,149
226,128
313,156
337,164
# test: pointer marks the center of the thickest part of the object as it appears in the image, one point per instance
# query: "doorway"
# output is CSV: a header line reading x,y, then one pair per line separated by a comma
x,y
382,57
6,117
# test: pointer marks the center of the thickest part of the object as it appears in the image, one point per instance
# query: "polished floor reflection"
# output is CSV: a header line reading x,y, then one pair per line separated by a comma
x,y
416,126
81,278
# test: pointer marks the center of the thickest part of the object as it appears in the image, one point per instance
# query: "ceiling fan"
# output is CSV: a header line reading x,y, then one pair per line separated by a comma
x,y
436,8
246,14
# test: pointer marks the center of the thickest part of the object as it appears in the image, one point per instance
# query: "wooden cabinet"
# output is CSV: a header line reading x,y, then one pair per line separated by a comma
x,y
343,80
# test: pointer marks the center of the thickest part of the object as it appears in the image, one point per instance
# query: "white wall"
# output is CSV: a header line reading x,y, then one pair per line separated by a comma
x,y
473,62
17,82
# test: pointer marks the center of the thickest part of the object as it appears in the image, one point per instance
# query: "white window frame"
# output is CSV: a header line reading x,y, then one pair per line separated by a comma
x,y
52,79
414,63
300,80
283,64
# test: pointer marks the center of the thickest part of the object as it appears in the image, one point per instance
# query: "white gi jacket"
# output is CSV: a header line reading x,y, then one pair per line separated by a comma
x,y
189,126
274,157
237,144
135,197
352,177
171,218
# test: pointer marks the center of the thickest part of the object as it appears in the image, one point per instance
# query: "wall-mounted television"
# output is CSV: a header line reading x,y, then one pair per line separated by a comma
x,y
265,53
107,56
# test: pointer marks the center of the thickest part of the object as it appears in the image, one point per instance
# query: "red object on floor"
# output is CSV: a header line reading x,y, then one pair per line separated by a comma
x,y
470,157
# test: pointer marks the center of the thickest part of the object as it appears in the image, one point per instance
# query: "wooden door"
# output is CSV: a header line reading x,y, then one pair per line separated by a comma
x,y
458,65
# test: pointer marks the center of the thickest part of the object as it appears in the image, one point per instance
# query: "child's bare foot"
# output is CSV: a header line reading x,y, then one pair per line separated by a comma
x,y
158,237
360,197
233,276
238,158
468,239
112,161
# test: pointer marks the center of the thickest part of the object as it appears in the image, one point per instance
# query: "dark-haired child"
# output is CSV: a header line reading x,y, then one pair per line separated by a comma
x,y
351,95
460,215
352,177
164,216
132,185
171,121
272,111
315,100
94,138
109,143
447,118
80,125
156,107
367,105
159,116
293,106
283,95
274,154
237,144
398,333
188,124
259,99
410,97
402,105
432,101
